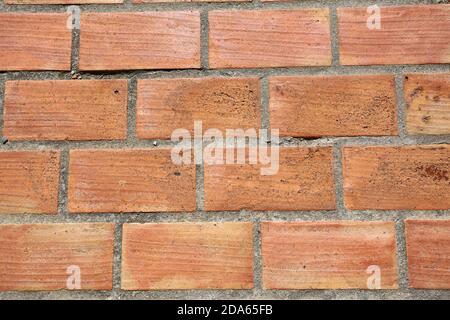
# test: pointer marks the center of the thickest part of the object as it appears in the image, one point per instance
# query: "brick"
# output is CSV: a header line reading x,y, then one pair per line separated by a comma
x,y
300,255
160,256
164,105
408,35
304,182
34,41
130,180
390,178
170,1
61,1
428,250
65,110
428,103
140,40
314,106
45,256
29,181
269,38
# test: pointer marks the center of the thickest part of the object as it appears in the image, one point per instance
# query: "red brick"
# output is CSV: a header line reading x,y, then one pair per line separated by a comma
x,y
269,38
408,35
428,249
65,110
304,182
29,181
160,256
39,256
131,180
428,103
164,105
34,41
140,40
314,106
327,255
390,178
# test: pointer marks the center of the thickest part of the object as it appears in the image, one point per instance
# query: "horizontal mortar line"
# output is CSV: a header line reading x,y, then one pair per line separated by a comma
x,y
132,7
237,293
389,141
232,73
226,216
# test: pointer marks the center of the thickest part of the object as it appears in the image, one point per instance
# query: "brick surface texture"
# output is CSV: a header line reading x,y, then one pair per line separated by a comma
x,y
224,149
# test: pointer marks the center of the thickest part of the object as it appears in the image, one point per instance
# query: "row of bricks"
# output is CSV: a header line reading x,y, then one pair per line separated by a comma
x,y
299,106
139,180
237,39
157,256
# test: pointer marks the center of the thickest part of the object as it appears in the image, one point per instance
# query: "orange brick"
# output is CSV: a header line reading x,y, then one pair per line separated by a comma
x,y
389,178
140,40
160,256
304,182
328,255
29,181
65,110
428,249
408,35
45,256
170,1
129,181
428,102
34,41
314,106
164,105
269,38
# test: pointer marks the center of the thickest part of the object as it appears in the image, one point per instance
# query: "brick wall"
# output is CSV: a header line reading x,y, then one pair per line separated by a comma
x,y
93,206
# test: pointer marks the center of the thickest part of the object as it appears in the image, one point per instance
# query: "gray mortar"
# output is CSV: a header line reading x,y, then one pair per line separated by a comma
x,y
340,213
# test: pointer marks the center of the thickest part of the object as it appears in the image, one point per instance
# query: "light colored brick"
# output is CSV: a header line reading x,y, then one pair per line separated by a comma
x,y
164,105
65,110
328,255
129,180
44,256
304,182
269,38
62,1
34,41
428,250
396,178
314,106
161,256
428,103
408,35
140,40
29,181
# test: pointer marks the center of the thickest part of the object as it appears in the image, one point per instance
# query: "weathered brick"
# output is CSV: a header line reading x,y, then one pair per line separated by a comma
x,y
29,181
34,41
408,35
187,256
304,182
328,255
428,103
170,1
428,250
131,180
65,110
140,40
164,105
269,38
45,256
389,178
314,106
